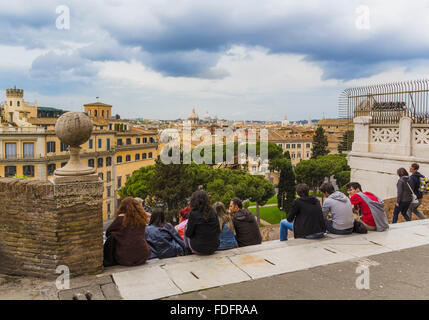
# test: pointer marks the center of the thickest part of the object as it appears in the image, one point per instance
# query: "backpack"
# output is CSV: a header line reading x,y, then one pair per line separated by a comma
x,y
359,227
424,185
378,212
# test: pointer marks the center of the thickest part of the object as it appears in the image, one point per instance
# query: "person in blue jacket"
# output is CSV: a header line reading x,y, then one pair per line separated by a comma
x,y
227,235
164,240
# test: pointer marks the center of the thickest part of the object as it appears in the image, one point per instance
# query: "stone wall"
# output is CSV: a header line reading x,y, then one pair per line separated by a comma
x,y
379,150
45,225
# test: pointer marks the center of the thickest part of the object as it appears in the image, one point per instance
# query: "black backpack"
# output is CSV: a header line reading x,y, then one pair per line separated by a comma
x,y
359,227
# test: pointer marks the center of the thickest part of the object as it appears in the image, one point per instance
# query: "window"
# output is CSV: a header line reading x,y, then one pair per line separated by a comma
x,y
298,146
137,140
137,156
144,156
10,150
109,191
127,177
9,171
63,147
307,145
99,162
127,158
108,144
288,146
50,146
308,154
95,112
91,163
108,161
28,149
102,113
118,159
19,103
109,176
110,126
51,168
119,182
10,103
108,209
144,140
63,164
28,171
293,145
107,114
150,155
119,142
293,155
152,140
100,143
101,176
299,155
128,140
91,143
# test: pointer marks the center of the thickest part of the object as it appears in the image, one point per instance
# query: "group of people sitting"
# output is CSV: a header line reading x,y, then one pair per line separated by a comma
x,y
136,236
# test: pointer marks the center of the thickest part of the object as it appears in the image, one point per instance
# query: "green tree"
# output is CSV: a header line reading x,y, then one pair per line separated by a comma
x,y
346,141
320,143
139,184
286,186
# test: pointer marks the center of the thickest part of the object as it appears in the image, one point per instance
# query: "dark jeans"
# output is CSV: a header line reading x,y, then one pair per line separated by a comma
x,y
331,229
402,208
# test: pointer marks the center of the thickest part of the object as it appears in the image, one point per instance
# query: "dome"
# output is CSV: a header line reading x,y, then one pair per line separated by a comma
x,y
193,115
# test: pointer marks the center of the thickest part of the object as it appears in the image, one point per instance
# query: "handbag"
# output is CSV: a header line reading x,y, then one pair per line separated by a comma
x,y
414,200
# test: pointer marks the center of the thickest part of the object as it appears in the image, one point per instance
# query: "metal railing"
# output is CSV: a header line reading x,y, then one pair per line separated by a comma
x,y
387,103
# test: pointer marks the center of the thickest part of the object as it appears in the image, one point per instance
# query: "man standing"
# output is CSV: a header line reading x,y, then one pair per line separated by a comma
x,y
340,209
415,180
245,225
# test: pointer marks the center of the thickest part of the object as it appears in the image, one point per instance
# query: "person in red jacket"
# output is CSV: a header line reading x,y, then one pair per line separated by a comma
x,y
353,188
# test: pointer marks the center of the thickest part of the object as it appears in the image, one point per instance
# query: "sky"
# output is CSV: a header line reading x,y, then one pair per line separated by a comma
x,y
237,60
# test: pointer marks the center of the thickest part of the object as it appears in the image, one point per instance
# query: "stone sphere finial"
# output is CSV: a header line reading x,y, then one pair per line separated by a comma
x,y
73,128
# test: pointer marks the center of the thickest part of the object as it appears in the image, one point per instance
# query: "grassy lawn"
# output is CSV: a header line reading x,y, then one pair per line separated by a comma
x,y
270,201
269,214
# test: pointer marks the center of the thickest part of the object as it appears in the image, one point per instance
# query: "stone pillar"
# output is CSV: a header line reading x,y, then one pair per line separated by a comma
x,y
45,225
361,134
405,136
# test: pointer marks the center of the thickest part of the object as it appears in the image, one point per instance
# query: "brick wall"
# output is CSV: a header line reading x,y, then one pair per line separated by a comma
x,y
43,225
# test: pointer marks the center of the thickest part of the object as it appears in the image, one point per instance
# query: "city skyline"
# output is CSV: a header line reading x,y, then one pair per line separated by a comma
x,y
239,61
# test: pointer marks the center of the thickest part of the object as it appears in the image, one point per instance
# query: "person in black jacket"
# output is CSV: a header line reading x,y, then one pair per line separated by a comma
x,y
164,240
404,195
202,230
305,218
415,181
245,224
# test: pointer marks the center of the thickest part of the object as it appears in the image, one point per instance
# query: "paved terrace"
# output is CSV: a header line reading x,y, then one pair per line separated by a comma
x,y
173,277
168,277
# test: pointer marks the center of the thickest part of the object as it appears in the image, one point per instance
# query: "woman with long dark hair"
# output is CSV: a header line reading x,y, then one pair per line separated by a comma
x,y
128,232
202,231
163,239
404,195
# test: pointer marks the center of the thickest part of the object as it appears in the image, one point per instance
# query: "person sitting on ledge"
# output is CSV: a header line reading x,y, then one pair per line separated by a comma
x,y
305,218
163,239
227,236
362,202
202,231
245,224
183,220
128,231
340,209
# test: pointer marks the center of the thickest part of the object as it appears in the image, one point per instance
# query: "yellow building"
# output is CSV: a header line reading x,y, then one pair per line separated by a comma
x,y
36,152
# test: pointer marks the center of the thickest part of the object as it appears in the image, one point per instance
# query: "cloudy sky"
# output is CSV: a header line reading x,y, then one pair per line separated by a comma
x,y
241,59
